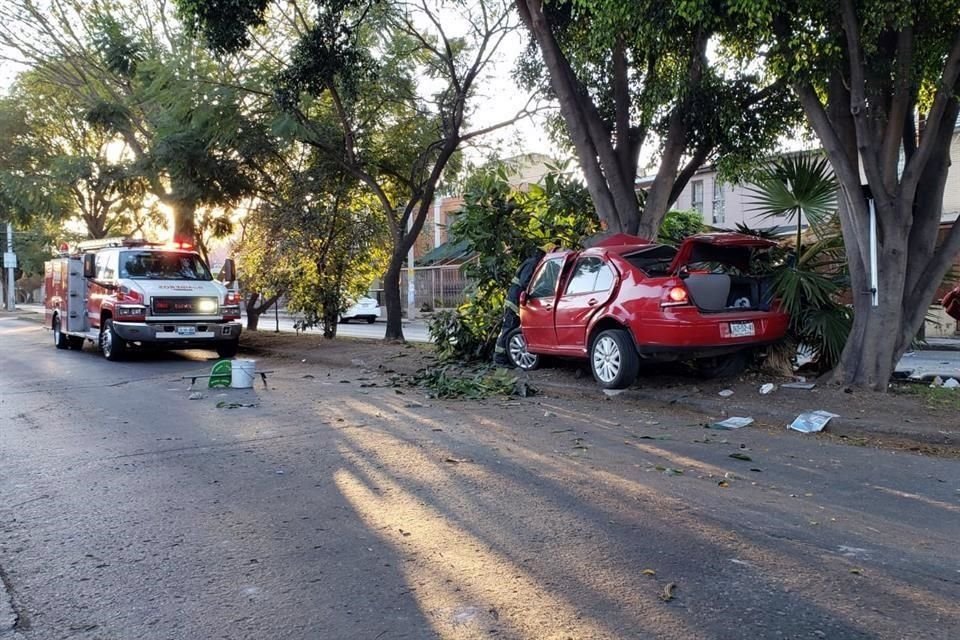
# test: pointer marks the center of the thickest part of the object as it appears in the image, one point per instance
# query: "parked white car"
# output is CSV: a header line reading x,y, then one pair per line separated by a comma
x,y
363,309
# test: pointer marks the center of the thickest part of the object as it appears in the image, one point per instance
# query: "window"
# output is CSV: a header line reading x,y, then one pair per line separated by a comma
x,y
590,274
696,195
719,203
545,282
162,265
584,276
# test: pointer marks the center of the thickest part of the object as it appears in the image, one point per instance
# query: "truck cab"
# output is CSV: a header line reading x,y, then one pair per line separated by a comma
x,y
125,293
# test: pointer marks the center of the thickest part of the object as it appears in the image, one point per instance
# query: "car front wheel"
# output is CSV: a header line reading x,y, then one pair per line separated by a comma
x,y
614,360
517,351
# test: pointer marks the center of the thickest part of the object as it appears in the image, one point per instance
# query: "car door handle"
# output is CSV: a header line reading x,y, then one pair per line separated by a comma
x,y
591,302
548,306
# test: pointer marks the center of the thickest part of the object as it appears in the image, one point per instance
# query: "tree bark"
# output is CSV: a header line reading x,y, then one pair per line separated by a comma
x,y
391,297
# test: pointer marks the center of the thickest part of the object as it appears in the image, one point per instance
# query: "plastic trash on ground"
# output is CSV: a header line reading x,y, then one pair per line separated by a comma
x,y
767,388
951,383
799,385
812,421
726,393
732,422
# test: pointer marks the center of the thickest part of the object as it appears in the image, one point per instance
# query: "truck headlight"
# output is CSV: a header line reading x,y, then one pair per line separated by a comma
x,y
207,306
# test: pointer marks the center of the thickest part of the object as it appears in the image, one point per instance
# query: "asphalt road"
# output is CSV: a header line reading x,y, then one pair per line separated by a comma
x,y
336,510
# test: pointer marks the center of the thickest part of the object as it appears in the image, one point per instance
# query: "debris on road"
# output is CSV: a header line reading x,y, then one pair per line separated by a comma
x,y
806,386
812,421
648,572
667,594
767,388
223,404
457,460
733,422
741,456
196,395
613,392
726,393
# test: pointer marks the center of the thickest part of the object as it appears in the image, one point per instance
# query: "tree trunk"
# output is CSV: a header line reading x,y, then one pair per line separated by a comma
x,y
184,229
392,298
253,312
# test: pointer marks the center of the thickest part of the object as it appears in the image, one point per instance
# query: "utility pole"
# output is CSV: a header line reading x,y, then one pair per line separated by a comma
x,y
10,263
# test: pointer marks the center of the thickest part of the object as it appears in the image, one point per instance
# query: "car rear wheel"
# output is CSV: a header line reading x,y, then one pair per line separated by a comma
x,y
60,341
725,366
113,346
371,320
614,360
517,351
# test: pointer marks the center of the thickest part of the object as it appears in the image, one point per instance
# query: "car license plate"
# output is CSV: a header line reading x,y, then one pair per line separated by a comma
x,y
186,331
741,329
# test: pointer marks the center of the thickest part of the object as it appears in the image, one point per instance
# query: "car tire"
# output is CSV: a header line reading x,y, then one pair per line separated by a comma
x,y
613,359
114,347
371,320
60,341
76,342
518,354
228,349
725,366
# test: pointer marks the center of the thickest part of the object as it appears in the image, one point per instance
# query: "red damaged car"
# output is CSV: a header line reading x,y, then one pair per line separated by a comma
x,y
627,300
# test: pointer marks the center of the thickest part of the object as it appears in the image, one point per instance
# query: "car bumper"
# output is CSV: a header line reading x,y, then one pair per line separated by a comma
x,y
708,332
180,333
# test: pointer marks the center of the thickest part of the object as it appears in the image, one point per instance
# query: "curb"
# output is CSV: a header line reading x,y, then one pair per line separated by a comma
x,y
838,426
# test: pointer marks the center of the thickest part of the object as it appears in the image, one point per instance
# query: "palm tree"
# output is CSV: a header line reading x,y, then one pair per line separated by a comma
x,y
796,187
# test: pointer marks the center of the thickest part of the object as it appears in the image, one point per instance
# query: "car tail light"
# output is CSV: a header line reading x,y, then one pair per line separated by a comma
x,y
675,296
232,297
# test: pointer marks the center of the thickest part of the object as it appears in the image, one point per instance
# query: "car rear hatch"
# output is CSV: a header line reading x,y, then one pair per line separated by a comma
x,y
716,269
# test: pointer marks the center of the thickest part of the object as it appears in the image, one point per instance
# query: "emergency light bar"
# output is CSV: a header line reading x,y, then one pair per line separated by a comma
x,y
103,243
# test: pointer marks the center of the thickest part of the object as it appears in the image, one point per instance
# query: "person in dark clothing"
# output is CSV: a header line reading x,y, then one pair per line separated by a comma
x,y
511,307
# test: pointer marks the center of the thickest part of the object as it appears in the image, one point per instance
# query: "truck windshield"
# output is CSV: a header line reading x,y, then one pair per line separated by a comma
x,y
162,265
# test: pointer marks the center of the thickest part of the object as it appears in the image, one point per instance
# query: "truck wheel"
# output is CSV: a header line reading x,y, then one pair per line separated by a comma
x,y
228,349
60,341
614,360
113,346
517,351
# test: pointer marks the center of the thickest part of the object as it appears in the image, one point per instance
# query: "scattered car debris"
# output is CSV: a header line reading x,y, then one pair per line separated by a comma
x,y
741,456
812,421
223,404
613,392
726,393
196,395
648,572
733,422
806,386
767,388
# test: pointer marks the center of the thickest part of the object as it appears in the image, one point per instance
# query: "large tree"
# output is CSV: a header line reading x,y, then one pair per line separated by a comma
x,y
878,82
382,90
142,78
626,74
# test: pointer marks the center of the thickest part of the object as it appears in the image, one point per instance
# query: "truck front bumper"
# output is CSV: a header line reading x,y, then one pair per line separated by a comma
x,y
178,334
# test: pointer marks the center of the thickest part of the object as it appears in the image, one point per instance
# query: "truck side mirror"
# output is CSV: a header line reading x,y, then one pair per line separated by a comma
x,y
89,265
229,272
523,298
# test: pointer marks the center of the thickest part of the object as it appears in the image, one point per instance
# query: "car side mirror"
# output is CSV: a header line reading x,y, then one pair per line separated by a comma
x,y
684,272
89,265
523,298
229,272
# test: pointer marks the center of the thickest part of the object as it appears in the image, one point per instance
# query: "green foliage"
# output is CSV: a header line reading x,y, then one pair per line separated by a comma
x,y
678,225
503,226
454,382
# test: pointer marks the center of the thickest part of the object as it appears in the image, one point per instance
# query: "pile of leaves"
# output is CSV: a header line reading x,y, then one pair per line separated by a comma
x,y
470,383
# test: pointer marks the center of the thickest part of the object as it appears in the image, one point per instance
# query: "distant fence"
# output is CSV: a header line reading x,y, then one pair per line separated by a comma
x,y
442,287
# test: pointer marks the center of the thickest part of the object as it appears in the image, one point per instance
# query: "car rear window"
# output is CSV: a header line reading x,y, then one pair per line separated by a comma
x,y
653,261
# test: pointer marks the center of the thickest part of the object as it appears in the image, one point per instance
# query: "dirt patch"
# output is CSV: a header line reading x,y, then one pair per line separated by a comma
x,y
909,417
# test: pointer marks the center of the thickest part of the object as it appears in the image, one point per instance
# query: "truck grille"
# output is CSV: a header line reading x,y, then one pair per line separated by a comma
x,y
184,306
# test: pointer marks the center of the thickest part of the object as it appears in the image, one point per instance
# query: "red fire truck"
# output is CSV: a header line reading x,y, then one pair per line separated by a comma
x,y
120,293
